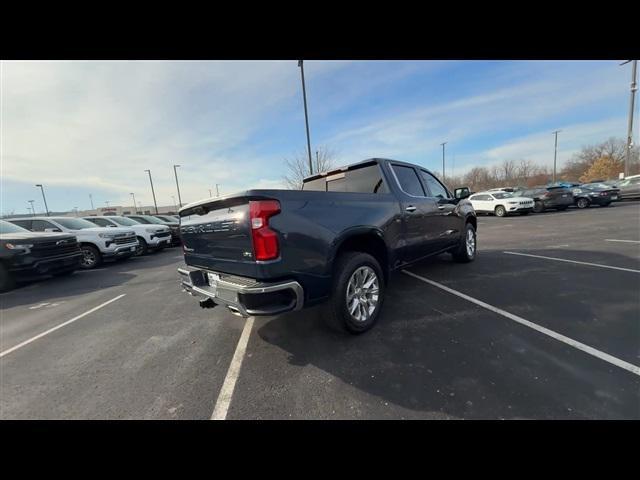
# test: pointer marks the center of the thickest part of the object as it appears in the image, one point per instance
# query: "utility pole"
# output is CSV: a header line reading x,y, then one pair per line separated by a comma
x,y
217,191
107,202
210,195
33,210
44,198
306,116
91,198
634,88
555,155
152,191
443,173
134,203
175,172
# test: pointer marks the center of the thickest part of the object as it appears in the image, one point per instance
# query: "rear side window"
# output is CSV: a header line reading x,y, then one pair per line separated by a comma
x,y
360,180
22,223
434,186
408,180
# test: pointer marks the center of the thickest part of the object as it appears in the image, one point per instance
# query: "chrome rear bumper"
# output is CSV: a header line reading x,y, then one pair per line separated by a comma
x,y
243,296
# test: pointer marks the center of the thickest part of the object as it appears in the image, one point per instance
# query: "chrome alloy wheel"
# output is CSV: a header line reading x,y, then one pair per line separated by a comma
x,y
471,243
362,293
89,258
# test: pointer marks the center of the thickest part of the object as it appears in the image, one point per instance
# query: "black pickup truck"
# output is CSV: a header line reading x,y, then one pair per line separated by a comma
x,y
265,252
25,255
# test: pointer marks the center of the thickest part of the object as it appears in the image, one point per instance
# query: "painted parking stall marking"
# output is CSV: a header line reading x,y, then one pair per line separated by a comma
x,y
47,332
573,261
562,338
229,385
621,241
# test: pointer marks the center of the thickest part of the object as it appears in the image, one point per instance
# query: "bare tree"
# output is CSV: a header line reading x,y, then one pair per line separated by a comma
x,y
298,167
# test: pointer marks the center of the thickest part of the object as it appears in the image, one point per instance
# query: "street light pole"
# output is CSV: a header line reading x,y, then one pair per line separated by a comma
x,y
443,172
33,210
217,191
175,172
174,202
210,195
91,198
152,191
134,203
555,154
44,198
634,88
306,116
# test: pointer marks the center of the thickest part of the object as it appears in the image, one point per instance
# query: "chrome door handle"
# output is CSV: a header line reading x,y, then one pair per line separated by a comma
x,y
440,207
410,208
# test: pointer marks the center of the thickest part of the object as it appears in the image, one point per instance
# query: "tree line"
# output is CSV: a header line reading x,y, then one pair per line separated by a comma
x,y
600,161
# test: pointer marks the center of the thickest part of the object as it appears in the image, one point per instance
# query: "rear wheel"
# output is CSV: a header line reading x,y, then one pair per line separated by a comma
x,y
582,203
357,294
500,211
538,207
466,251
90,257
7,281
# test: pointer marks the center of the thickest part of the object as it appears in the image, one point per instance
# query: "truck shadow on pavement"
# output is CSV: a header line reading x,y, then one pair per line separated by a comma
x,y
434,355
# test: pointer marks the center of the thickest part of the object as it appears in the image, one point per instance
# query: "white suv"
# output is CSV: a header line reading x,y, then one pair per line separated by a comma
x,y
501,203
96,243
150,237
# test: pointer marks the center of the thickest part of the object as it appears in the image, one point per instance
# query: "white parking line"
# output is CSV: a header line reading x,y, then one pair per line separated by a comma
x,y
229,385
569,341
47,332
573,261
623,241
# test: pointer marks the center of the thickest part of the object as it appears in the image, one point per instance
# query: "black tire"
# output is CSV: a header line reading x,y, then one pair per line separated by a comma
x,y
142,247
500,211
7,282
461,254
582,203
338,317
91,257
524,213
538,206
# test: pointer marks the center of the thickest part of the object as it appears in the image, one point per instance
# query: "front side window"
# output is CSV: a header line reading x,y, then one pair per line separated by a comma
x,y
501,195
434,186
408,180
41,225
75,223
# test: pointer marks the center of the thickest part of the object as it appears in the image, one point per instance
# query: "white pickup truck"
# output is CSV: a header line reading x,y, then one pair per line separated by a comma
x,y
150,237
97,244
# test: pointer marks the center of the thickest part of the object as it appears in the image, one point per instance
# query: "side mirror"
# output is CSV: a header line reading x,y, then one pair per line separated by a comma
x,y
462,192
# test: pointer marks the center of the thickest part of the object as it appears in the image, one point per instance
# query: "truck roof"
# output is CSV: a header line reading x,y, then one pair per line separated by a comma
x,y
363,163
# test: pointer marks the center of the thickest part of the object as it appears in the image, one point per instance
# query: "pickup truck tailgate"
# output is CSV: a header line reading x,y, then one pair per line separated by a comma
x,y
218,230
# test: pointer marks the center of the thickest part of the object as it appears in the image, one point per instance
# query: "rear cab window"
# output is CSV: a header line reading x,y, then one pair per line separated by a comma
x,y
367,179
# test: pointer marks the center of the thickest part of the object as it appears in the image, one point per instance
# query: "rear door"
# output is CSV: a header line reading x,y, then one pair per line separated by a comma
x,y
420,214
447,223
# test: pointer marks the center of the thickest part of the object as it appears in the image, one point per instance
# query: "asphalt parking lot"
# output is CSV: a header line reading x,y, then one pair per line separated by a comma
x,y
545,324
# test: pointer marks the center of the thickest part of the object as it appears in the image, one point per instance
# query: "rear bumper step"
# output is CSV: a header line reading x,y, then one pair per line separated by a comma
x,y
243,296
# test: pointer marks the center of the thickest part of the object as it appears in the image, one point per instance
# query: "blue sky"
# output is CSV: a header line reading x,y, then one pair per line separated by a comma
x,y
94,127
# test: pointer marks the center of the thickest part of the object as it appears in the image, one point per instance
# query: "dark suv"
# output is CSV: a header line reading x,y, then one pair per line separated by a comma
x,y
25,255
544,198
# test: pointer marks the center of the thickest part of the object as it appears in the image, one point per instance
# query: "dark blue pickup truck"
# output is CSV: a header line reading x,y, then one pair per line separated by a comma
x,y
265,252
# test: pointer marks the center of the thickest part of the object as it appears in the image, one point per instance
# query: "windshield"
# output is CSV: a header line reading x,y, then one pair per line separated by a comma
x,y
75,223
127,222
6,227
501,195
597,185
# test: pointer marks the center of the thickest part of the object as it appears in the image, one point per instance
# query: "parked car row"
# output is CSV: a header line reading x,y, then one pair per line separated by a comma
x,y
31,247
510,200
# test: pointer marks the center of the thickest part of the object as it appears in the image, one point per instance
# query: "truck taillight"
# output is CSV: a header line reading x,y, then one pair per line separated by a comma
x,y
265,240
